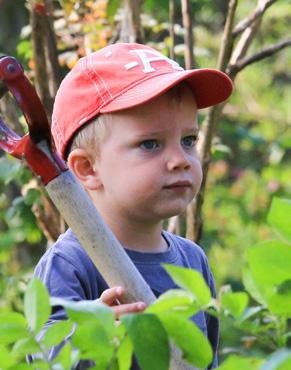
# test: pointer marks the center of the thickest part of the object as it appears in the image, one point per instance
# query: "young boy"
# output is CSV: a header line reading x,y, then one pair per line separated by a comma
x,y
125,119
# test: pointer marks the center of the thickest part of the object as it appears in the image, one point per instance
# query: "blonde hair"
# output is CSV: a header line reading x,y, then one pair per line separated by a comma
x,y
91,135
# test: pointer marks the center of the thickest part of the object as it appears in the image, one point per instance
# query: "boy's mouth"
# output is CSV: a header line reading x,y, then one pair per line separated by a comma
x,y
179,186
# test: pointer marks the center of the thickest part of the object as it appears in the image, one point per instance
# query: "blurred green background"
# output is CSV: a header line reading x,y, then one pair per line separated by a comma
x,y
251,152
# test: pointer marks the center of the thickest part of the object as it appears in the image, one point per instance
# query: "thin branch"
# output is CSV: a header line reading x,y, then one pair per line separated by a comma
x,y
173,226
241,64
194,210
189,39
245,41
257,13
208,128
172,28
195,224
227,40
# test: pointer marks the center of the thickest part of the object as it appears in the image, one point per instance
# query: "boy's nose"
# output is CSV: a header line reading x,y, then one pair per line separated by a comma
x,y
178,160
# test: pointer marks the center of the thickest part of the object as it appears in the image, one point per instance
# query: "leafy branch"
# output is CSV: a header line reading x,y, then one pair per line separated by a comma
x,y
232,59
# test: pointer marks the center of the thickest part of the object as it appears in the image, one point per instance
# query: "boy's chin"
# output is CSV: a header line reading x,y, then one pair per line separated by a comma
x,y
174,212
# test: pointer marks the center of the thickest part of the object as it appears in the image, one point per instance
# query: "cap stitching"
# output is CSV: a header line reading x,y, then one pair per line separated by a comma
x,y
89,77
98,75
58,133
136,84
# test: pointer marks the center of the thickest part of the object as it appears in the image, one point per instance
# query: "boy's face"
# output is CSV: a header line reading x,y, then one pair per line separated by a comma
x,y
148,165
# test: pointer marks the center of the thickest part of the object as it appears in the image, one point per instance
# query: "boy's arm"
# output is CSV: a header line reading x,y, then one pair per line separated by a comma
x,y
77,280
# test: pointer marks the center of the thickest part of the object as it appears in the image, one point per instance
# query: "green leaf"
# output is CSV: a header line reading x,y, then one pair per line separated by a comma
x,y
176,300
235,303
281,298
87,311
270,266
13,326
250,312
251,286
191,281
40,365
24,49
279,217
31,197
25,346
149,339
64,357
56,333
9,169
284,365
234,362
285,287
36,305
124,354
6,359
93,342
95,330
112,7
25,366
8,239
279,360
189,338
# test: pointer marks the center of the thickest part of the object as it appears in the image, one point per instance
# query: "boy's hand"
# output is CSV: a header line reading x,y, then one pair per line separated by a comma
x,y
111,297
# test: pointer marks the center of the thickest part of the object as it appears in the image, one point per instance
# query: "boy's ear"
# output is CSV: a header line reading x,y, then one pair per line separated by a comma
x,y
82,165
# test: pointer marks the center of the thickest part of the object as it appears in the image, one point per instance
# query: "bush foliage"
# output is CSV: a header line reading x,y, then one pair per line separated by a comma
x,y
250,166
261,312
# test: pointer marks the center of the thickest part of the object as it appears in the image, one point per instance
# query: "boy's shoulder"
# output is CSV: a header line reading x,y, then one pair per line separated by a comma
x,y
186,246
194,257
67,248
190,254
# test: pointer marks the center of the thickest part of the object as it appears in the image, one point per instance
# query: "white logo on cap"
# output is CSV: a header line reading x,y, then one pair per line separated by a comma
x,y
146,60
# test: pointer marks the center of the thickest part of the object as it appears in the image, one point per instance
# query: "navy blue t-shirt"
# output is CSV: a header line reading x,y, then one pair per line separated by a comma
x,y
68,272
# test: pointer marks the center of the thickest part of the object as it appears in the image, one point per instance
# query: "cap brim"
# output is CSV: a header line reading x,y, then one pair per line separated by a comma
x,y
209,86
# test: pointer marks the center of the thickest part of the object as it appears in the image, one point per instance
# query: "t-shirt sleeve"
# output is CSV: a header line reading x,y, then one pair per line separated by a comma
x,y
62,279
71,277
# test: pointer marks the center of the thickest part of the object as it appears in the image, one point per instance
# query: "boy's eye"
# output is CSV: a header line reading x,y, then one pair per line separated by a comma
x,y
149,144
189,141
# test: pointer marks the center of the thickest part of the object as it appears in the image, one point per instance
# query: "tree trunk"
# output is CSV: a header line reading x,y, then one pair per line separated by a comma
x,y
40,62
47,69
131,27
47,80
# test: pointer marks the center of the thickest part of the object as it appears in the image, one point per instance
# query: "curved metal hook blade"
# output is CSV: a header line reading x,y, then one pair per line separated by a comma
x,y
10,142
13,78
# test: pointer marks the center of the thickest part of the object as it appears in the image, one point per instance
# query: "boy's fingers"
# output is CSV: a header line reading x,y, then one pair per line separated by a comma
x,y
129,308
110,296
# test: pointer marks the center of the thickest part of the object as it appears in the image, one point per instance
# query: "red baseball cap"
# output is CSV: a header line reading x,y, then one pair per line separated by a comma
x,y
121,76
